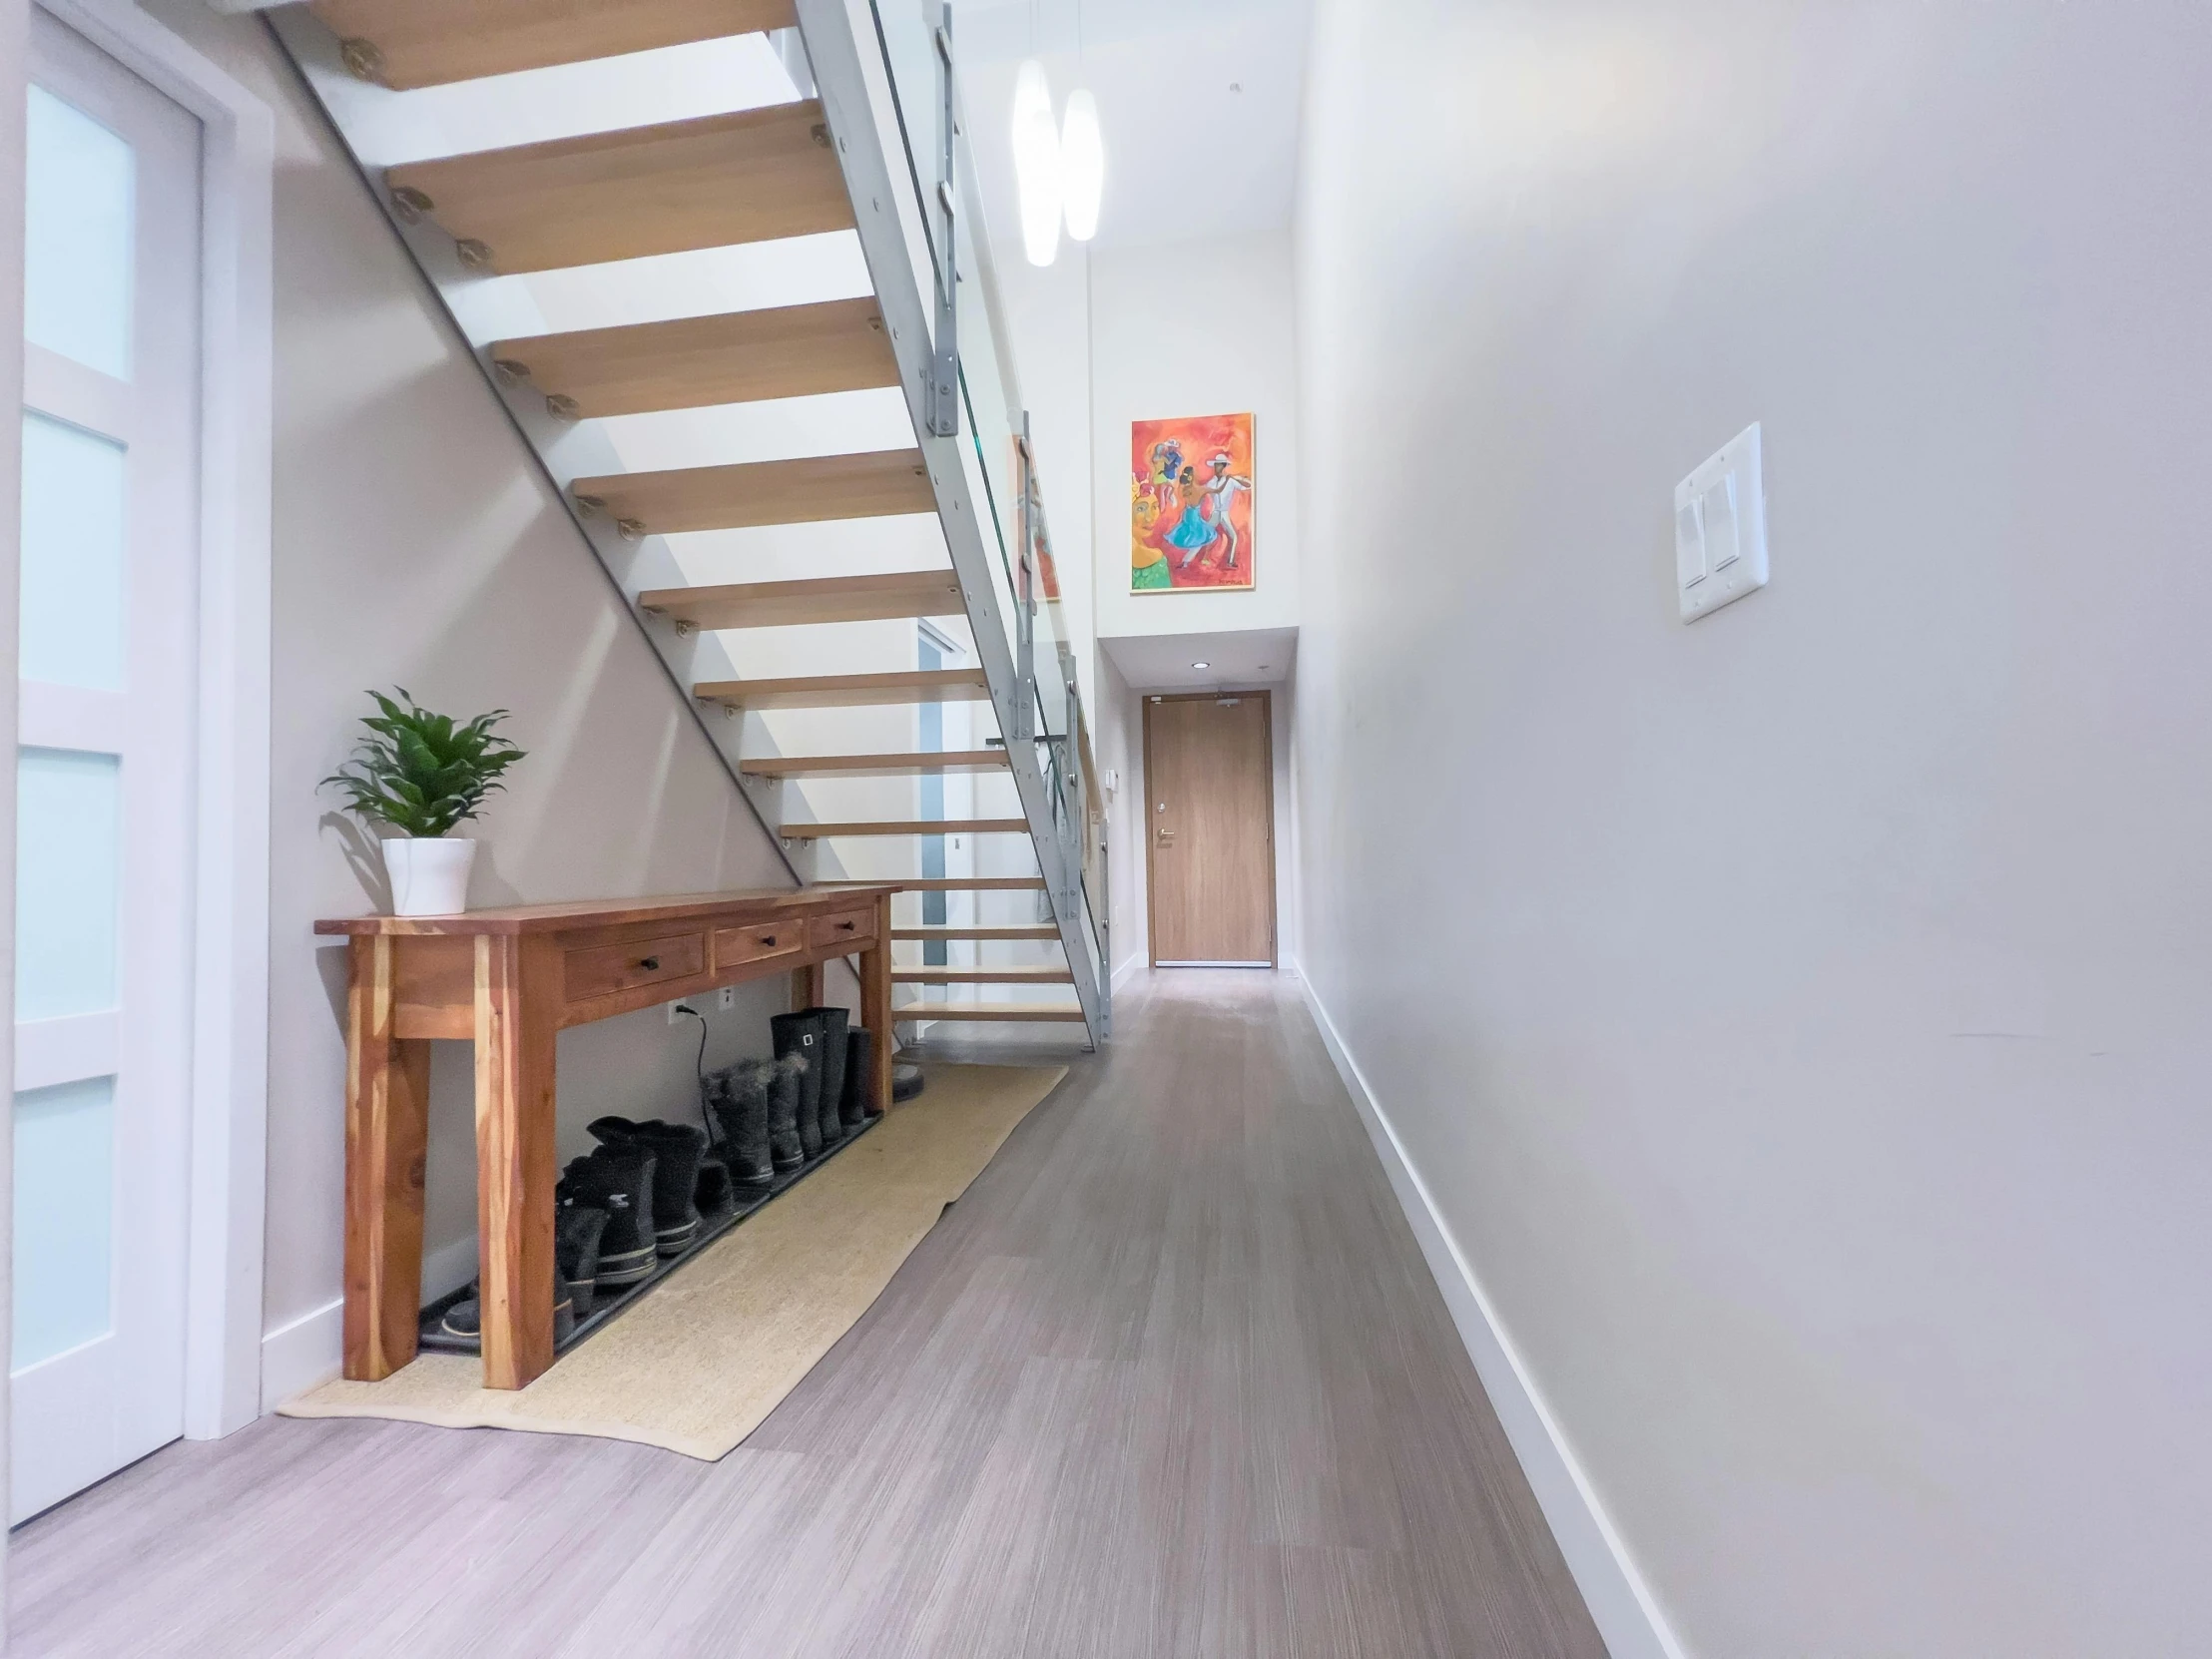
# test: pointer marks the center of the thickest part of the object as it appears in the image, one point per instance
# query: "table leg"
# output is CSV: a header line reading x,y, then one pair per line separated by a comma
x,y
875,1002
517,990
388,1092
810,986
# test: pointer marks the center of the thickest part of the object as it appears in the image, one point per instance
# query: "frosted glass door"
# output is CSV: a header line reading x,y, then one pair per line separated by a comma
x,y
104,846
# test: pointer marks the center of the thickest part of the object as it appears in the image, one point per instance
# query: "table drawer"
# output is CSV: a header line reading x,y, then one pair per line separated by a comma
x,y
841,929
735,947
601,970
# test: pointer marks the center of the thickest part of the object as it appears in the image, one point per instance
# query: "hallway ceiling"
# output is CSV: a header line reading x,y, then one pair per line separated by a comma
x,y
1184,156
1163,662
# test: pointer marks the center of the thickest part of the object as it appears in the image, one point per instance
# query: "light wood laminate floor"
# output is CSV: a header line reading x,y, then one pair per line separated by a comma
x,y
1171,1379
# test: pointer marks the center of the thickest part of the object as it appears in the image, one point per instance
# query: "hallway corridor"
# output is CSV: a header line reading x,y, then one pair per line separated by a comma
x,y
1171,1379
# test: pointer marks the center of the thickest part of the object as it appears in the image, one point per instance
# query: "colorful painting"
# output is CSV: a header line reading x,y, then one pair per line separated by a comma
x,y
1190,503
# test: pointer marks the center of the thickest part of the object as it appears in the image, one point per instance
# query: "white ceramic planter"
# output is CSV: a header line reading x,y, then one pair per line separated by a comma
x,y
429,876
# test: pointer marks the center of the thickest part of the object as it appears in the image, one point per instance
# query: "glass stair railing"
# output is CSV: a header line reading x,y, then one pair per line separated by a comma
x,y
716,262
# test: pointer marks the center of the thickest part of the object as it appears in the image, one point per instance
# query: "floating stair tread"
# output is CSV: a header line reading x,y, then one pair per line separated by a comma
x,y
907,1011
430,43
874,765
850,691
909,826
754,175
813,489
1041,932
982,977
695,361
820,598
953,884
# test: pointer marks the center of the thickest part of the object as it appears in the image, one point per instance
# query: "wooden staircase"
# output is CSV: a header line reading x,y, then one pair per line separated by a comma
x,y
660,188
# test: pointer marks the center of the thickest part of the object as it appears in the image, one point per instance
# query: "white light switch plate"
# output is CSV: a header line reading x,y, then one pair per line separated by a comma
x,y
1720,529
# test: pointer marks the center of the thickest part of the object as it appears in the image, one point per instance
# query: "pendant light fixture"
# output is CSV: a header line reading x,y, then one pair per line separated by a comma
x,y
1082,165
1037,162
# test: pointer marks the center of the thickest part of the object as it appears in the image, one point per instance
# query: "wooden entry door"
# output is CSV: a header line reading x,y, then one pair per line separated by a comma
x,y
1209,782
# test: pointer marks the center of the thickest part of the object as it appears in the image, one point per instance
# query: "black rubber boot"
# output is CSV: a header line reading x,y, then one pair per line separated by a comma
x,y
799,1036
739,1098
833,1024
784,1077
618,1180
577,1230
855,1107
677,1149
715,1195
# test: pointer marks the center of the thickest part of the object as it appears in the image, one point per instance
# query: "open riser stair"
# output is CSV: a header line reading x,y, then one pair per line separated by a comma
x,y
808,531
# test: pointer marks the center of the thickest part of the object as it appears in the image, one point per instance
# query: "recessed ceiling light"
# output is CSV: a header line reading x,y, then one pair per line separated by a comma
x,y
1202,665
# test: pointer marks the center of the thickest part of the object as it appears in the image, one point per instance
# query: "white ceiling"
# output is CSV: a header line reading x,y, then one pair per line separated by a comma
x,y
1184,156
1166,662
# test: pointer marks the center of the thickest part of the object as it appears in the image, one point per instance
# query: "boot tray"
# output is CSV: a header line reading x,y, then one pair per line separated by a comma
x,y
433,1338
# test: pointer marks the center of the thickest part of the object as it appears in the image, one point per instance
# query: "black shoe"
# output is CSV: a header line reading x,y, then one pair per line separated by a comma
x,y
677,1149
786,1079
834,1025
577,1230
906,1083
738,1099
855,1105
799,1036
618,1180
465,1319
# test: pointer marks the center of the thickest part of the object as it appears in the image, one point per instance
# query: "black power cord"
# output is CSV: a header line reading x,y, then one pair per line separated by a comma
x,y
705,1122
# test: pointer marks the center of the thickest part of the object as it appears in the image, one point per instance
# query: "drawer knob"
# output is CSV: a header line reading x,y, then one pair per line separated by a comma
x,y
650,963
768,939
844,926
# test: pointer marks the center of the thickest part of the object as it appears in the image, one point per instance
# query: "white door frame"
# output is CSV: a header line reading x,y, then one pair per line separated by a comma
x,y
229,1001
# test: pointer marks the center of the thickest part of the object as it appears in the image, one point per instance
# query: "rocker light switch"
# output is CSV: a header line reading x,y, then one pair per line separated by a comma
x,y
1689,545
1720,529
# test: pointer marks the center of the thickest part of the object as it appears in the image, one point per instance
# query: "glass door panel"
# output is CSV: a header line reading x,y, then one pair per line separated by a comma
x,y
67,804
72,558
64,1217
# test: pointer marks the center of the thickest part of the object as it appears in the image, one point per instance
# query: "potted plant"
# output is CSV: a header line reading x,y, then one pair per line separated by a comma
x,y
422,773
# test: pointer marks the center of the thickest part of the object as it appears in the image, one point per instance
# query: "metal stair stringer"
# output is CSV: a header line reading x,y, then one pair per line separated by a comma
x,y
863,121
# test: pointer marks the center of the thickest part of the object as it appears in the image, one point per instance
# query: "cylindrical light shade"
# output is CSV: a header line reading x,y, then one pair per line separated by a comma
x,y
1082,165
1037,163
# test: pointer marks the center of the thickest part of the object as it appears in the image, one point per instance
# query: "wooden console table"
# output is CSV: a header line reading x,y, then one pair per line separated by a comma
x,y
509,980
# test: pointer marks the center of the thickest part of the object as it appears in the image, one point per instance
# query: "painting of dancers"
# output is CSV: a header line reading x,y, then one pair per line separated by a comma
x,y
1190,503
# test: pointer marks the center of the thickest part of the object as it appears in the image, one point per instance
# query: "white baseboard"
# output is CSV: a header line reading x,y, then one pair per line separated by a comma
x,y
1128,971
1627,1614
302,1354
311,1350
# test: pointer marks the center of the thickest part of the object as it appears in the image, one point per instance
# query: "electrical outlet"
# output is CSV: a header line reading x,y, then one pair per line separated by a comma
x,y
725,998
678,1011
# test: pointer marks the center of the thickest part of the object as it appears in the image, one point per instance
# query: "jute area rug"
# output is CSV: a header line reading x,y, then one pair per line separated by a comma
x,y
711,1351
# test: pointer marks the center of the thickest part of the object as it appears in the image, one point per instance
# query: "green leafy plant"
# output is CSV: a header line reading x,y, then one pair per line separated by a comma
x,y
422,772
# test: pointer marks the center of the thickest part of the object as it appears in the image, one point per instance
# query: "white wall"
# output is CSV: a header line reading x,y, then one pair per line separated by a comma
x,y
1849,1209
1195,328
416,545
1119,746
